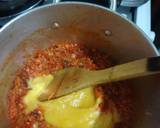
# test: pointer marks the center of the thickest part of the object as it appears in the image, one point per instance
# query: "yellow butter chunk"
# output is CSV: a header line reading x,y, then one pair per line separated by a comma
x,y
73,110
36,85
77,110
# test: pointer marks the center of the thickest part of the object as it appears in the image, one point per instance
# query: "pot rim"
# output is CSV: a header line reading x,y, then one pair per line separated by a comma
x,y
86,4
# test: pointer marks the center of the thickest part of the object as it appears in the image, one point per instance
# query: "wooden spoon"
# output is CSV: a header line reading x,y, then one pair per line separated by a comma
x,y
73,79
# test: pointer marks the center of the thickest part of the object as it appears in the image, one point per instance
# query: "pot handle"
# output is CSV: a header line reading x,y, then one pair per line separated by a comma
x,y
114,4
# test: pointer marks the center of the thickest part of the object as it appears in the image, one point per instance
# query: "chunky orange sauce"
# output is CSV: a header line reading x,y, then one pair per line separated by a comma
x,y
56,57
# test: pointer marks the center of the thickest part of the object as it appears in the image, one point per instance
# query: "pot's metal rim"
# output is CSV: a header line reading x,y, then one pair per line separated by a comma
x,y
86,4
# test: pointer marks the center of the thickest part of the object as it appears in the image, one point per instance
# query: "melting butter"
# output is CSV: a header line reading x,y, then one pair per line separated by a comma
x,y
37,85
77,110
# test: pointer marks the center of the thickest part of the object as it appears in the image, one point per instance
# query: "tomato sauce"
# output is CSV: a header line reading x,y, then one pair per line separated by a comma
x,y
56,57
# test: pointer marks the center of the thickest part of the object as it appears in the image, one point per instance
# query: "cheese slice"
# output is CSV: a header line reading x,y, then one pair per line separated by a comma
x,y
77,110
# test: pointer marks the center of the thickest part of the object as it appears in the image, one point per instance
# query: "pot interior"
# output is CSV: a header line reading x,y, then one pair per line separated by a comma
x,y
83,23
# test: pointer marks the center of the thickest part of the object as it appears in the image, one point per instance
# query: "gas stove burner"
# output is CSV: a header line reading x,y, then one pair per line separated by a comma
x,y
133,3
27,6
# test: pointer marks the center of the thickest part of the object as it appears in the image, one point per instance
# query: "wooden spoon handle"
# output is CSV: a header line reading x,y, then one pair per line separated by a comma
x,y
138,68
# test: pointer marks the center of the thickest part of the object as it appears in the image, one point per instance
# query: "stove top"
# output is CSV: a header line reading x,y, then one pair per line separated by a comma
x,y
28,5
